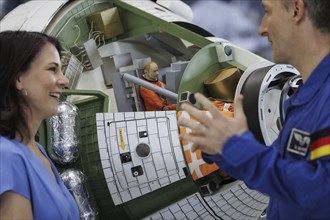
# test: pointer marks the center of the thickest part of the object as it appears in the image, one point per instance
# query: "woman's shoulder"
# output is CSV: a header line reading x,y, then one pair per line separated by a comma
x,y
4,142
9,146
13,175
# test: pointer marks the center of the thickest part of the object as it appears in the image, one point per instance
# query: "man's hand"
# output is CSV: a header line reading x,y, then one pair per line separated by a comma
x,y
211,133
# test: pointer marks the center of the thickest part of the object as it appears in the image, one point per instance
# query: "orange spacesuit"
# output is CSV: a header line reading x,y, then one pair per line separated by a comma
x,y
152,100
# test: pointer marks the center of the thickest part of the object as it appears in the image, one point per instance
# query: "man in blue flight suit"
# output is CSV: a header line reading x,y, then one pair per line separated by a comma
x,y
295,170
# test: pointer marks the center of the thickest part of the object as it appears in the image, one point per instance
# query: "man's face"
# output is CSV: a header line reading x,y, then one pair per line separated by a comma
x,y
153,71
276,25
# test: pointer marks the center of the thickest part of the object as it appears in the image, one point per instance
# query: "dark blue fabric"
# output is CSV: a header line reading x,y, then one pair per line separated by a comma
x,y
299,188
23,172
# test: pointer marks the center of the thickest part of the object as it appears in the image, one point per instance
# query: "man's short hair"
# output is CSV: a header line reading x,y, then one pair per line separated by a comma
x,y
318,12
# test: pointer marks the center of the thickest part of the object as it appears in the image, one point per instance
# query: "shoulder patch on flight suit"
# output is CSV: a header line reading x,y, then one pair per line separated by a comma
x,y
299,142
320,146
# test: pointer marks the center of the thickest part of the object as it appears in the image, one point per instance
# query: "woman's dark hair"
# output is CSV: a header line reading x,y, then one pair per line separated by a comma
x,y
18,49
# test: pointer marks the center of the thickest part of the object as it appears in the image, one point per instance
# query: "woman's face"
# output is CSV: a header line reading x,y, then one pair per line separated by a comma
x,y
42,83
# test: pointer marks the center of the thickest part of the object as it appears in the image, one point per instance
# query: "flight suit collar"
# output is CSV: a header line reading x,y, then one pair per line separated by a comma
x,y
316,80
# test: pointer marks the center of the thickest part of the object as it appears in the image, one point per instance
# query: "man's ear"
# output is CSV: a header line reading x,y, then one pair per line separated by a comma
x,y
298,10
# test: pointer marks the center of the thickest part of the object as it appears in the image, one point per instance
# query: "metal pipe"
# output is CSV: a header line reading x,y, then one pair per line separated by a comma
x,y
157,89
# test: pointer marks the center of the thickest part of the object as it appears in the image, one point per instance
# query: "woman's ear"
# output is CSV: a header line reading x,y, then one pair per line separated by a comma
x,y
19,83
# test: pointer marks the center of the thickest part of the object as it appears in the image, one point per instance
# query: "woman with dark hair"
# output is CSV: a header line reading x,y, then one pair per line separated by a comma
x,y
31,83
